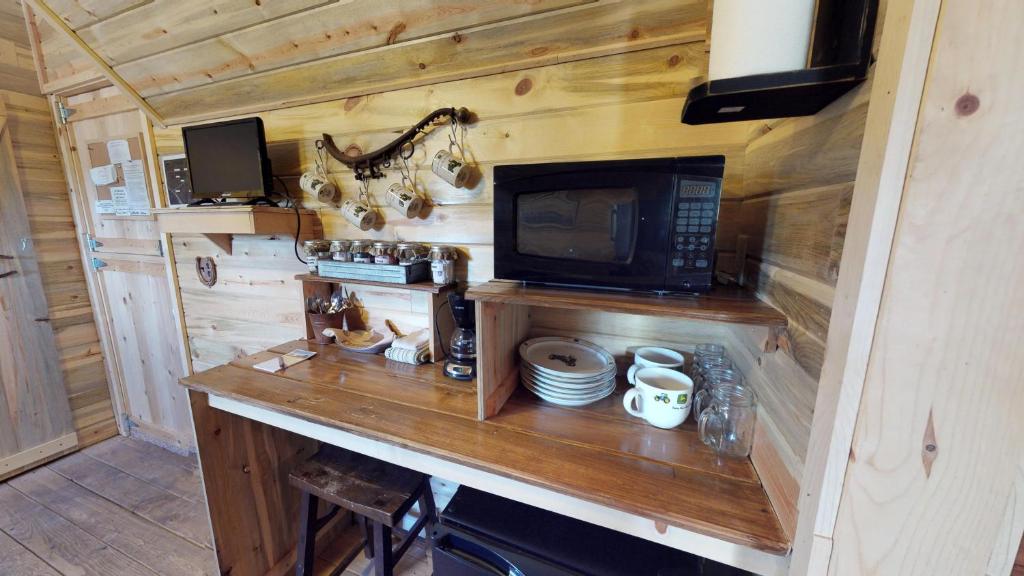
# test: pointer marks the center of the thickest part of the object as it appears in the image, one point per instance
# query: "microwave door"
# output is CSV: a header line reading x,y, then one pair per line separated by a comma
x,y
592,229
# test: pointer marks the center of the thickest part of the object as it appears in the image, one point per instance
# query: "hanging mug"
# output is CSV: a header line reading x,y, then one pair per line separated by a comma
x,y
358,214
403,199
450,169
318,186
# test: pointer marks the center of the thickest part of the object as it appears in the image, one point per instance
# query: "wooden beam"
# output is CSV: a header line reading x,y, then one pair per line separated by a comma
x,y
57,22
891,121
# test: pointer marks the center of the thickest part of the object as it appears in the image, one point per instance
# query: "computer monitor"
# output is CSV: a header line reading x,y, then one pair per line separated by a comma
x,y
228,160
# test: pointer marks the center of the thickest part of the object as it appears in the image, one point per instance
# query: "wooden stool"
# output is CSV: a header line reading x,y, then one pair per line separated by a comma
x,y
378,492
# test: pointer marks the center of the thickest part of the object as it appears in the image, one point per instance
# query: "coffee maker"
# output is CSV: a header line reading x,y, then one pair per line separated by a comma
x,y
461,361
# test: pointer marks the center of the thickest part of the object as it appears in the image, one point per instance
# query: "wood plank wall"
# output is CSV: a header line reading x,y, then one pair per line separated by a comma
x,y
53,233
618,106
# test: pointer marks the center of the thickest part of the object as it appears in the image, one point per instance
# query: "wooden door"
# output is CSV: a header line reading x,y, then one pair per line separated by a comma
x,y
129,278
35,417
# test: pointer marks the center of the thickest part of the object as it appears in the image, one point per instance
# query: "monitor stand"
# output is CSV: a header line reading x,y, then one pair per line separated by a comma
x,y
262,201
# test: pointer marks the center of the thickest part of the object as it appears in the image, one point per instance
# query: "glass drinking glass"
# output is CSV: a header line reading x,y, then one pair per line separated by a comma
x,y
727,424
705,365
712,379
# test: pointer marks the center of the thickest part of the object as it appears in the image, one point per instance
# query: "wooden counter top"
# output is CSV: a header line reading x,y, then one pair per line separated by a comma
x,y
596,453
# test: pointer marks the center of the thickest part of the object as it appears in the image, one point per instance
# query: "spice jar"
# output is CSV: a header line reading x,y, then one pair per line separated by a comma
x,y
384,252
410,252
442,264
360,250
313,250
339,251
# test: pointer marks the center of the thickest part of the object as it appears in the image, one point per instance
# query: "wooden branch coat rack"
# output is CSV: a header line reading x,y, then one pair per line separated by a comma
x,y
369,165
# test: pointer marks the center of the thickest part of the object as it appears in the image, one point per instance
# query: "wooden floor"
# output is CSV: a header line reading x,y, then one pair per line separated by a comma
x,y
121,507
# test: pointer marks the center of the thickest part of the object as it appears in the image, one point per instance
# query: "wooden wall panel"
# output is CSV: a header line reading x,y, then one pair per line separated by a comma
x,y
56,243
620,106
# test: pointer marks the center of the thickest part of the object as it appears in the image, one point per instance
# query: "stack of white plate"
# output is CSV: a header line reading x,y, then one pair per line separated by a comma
x,y
566,371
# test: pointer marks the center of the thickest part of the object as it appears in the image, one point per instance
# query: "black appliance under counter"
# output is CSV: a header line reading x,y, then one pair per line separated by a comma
x,y
480,534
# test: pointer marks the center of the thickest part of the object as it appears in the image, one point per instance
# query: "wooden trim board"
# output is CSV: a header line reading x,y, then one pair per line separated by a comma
x,y
896,91
36,455
733,554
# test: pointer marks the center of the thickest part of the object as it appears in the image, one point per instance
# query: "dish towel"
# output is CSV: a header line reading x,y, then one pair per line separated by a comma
x,y
411,349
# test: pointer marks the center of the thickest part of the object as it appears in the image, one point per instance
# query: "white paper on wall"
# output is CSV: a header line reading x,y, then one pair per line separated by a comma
x,y
104,206
118,151
103,175
135,184
119,196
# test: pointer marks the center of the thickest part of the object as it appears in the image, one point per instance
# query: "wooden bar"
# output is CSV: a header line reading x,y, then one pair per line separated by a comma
x,y
597,455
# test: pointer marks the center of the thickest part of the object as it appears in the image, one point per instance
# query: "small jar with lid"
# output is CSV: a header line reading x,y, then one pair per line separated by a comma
x,y
313,250
340,251
384,252
442,264
410,252
360,251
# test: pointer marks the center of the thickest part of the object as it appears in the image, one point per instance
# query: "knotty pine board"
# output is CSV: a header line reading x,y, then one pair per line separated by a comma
x,y
565,35
330,29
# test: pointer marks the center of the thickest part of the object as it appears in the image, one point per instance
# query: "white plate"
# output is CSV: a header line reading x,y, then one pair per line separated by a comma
x,y
566,357
597,392
568,377
575,384
563,402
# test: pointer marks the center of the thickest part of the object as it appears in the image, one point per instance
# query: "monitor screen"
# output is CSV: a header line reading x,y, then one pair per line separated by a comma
x,y
227,159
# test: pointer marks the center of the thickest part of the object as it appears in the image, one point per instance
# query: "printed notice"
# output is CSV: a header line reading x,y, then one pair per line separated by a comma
x,y
103,175
118,151
104,206
119,196
135,184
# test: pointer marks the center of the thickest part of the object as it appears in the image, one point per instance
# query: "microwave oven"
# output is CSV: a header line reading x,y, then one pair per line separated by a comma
x,y
621,224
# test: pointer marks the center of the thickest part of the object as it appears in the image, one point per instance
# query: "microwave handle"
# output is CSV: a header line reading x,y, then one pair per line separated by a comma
x,y
615,223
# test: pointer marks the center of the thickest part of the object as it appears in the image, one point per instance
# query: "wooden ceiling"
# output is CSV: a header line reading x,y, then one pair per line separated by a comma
x,y
187,60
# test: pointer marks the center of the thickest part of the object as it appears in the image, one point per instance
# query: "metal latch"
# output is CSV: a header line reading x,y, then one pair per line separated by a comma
x,y
63,112
93,243
97,264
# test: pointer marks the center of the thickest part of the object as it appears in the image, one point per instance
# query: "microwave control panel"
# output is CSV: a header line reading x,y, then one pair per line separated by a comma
x,y
692,234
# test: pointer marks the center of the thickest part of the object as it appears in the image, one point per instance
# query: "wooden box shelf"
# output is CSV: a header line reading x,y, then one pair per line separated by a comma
x,y
510,312
220,223
424,299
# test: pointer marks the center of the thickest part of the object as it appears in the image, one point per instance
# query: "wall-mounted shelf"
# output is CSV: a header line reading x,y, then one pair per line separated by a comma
x,y
731,305
221,223
417,286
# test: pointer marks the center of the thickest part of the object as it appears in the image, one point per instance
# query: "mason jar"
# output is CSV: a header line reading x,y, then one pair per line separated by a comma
x,y
339,251
360,251
384,252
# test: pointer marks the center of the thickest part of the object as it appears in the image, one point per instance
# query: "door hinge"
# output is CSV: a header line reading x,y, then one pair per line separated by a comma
x,y
63,112
97,264
93,243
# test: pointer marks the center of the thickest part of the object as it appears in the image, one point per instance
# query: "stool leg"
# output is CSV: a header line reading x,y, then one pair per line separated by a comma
x,y
307,535
383,559
368,533
428,509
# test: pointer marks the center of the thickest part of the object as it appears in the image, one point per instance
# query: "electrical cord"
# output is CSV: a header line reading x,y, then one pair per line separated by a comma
x,y
298,218
437,327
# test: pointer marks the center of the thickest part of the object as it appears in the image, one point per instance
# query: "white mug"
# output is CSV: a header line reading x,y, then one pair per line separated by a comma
x,y
324,190
449,168
404,200
663,397
654,357
358,214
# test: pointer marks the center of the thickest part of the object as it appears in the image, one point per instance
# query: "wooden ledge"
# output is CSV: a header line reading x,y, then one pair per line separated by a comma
x,y
730,305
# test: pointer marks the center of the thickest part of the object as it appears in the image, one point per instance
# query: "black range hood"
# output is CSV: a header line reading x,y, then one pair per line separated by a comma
x,y
840,56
